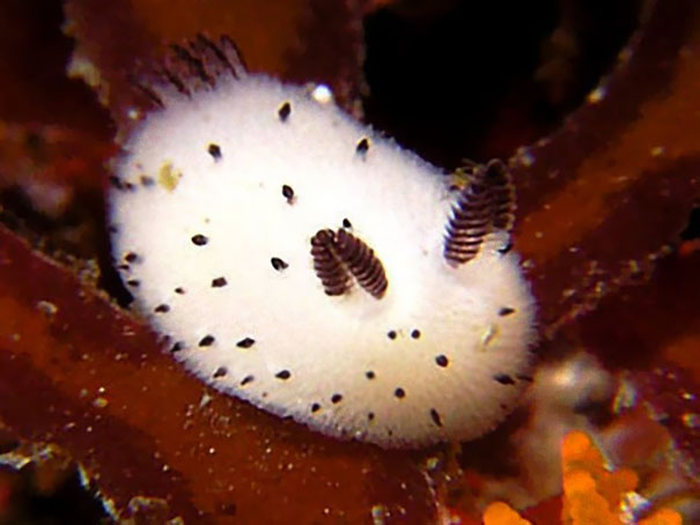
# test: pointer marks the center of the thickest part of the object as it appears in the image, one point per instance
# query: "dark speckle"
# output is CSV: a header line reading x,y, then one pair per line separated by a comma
x,y
284,111
246,380
370,374
218,282
283,374
147,181
442,360
179,290
415,334
177,346
130,257
391,334
336,398
362,146
346,223
504,379
315,407
162,309
370,416
400,393
435,416
215,151
133,283
278,264
245,343
220,372
506,310
288,193
115,182
199,239
207,340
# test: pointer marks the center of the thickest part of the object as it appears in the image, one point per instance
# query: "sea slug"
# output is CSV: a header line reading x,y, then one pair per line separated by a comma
x,y
300,260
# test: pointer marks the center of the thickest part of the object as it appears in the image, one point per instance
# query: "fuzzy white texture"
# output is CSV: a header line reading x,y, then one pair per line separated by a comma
x,y
330,346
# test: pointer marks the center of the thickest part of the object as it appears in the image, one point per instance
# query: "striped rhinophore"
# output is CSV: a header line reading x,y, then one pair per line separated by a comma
x,y
363,264
327,265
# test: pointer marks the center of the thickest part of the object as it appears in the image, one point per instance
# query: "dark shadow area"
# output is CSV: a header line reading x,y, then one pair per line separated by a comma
x,y
482,78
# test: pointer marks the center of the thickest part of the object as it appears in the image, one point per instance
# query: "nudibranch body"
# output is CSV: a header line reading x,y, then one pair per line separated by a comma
x,y
303,262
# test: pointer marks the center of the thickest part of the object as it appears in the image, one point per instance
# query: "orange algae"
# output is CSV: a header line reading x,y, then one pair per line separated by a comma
x,y
663,517
582,503
499,513
592,494
580,457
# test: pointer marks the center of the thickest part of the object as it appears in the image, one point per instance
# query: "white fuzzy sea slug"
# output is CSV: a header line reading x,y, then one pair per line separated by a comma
x,y
301,261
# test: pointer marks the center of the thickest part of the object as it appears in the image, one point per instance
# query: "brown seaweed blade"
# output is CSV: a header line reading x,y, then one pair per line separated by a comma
x,y
630,152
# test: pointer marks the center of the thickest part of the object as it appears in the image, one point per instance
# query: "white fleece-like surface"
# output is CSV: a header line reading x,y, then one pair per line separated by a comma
x,y
173,188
